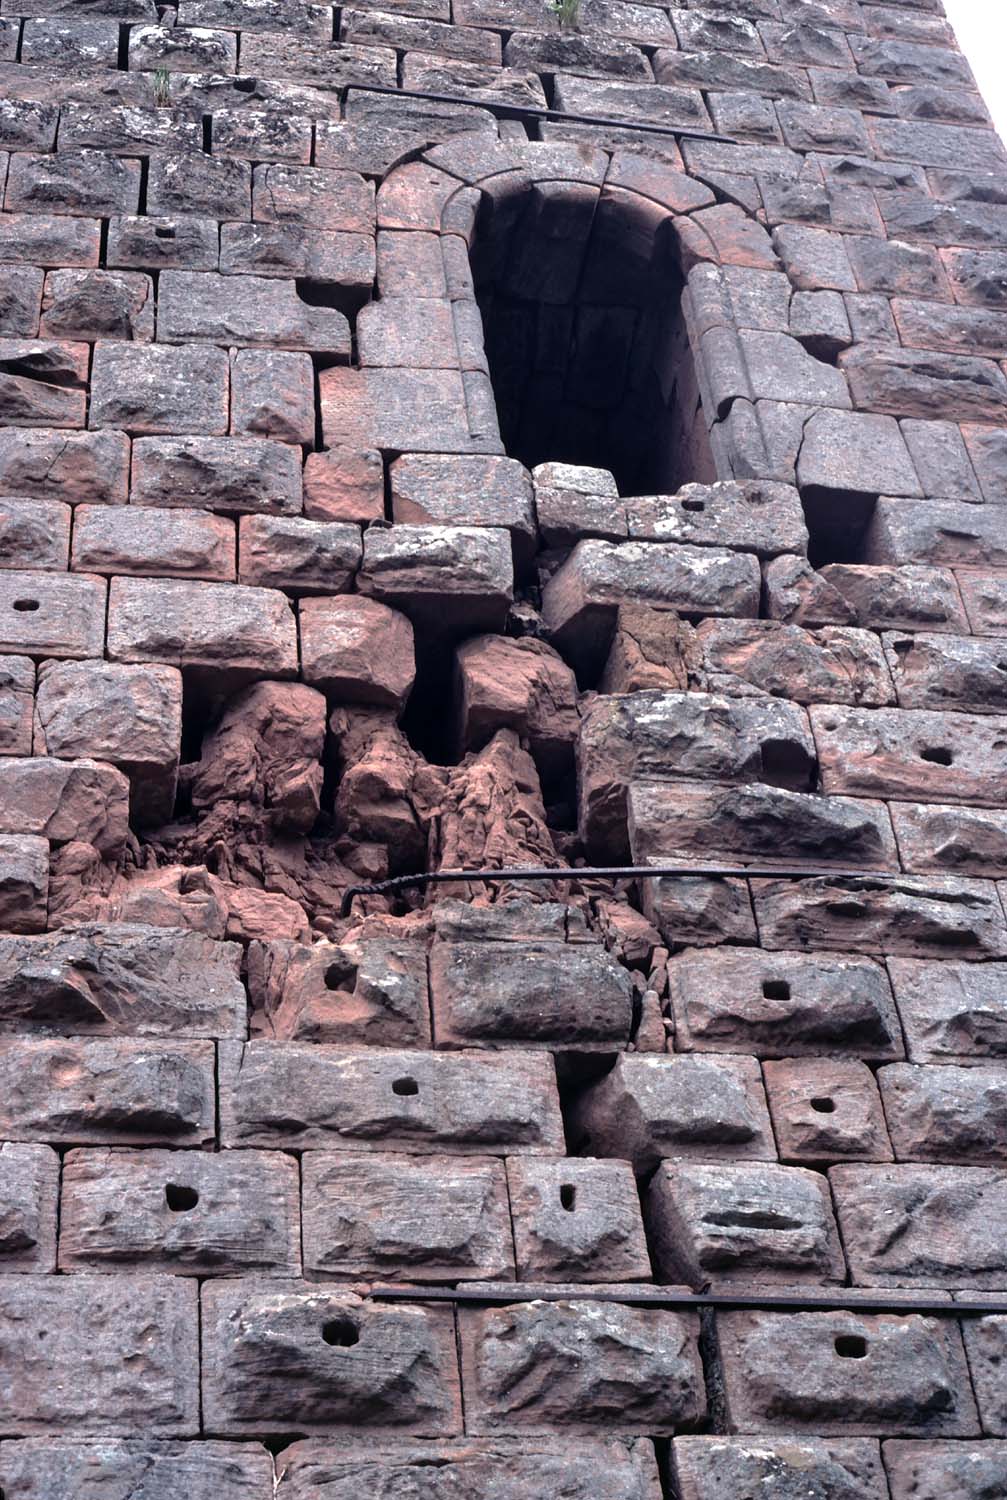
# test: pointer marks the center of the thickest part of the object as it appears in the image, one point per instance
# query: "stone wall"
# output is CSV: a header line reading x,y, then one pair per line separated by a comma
x,y
436,437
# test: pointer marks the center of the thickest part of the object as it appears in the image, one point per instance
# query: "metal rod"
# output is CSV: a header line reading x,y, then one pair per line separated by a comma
x,y
598,872
667,1297
534,112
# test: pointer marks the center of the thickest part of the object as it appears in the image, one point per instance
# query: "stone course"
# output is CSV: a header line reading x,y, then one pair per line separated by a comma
x,y
441,436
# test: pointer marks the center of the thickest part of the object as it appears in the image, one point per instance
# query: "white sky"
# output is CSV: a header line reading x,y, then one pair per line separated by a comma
x,y
981,26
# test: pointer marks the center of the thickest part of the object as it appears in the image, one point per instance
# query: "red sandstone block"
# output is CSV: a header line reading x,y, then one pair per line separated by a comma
x,y
404,410
65,801
373,991
234,475
637,1370
227,628
154,242
143,540
157,388
27,124
191,1213
329,64
91,1328
127,129
42,383
70,43
342,484
262,135
314,197
182,49
49,240
911,754
273,396
463,490
934,1471
196,184
98,304
203,307
293,249
301,556
826,1109
29,1189
107,1092
51,464
39,1467
20,300
454,577
713,1468
577,1220
518,684
17,692
392,1216
403,1380
34,534
72,182
845,1373
24,883
52,614
945,1114
357,649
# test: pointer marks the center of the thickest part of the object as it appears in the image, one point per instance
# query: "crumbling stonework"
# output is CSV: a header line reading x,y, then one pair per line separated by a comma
x,y
442,436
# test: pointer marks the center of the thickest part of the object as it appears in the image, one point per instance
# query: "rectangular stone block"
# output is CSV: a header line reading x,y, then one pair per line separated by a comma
x,y
461,577
292,249
985,598
767,825
280,1358
762,518
153,542
38,1468
118,1357
72,182
290,1094
915,916
751,1224
42,383
29,1189
637,1369
955,840
577,1220
825,1110
655,738
946,1114
301,556
932,1471
99,1092
65,801
314,197
986,1343
465,490
34,534
235,475
783,1004
650,1108
17,698
947,672
372,991
831,665
708,1468
202,307
580,601
156,241
395,1217
147,388
51,464
887,597
923,1225
951,1012
273,395
227,628
52,614
911,754
49,239
122,979
527,1468
558,996
98,304
24,883
845,1374
699,909
945,532
191,1213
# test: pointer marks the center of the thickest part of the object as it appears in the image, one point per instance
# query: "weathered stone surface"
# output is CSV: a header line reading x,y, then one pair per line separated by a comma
x,y
24,883
191,1213
208,1470
825,1109
717,1468
373,990
698,1108
64,801
429,1218
272,395
580,601
922,1225
520,684
783,1004
128,716
34,534
358,649
856,451
591,1365
956,840
228,628
464,490
854,1374
906,598
98,305
99,1091
448,577
762,518
204,308
234,475
945,1114
525,1468
151,541
985,1341
951,1012
767,825
916,383
933,531
158,388
830,665
911,915
291,1094
730,1223
131,1344
558,996
667,737
931,1471
985,599
699,909
17,695
911,754
51,464
947,672
275,1357
50,614
29,1188
343,484
298,555
577,1221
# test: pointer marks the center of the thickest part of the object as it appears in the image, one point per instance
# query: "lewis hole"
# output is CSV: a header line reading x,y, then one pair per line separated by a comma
x,y
568,1196
851,1346
404,1087
180,1199
775,989
341,1333
824,1106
